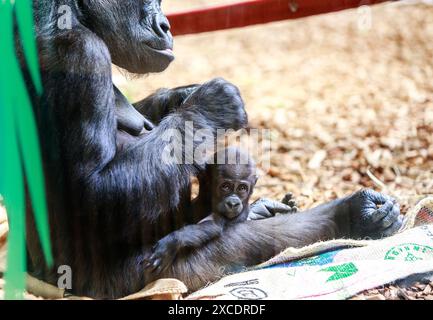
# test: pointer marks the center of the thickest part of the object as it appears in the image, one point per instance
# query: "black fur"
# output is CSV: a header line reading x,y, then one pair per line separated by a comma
x,y
109,203
224,194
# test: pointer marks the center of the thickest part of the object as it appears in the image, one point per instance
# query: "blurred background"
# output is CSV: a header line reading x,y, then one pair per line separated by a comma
x,y
348,96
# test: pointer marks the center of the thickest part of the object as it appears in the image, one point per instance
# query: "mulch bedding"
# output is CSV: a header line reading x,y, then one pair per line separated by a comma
x,y
418,291
348,107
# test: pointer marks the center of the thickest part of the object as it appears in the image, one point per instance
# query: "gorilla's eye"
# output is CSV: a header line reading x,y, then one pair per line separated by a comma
x,y
226,187
243,188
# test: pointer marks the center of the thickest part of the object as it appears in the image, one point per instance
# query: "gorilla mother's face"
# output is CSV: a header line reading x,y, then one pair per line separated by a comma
x,y
136,32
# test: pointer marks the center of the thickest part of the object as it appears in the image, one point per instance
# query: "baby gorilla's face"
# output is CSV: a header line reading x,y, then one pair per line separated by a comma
x,y
232,189
232,193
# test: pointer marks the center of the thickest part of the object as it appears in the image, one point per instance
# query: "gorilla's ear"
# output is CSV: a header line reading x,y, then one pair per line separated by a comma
x,y
255,178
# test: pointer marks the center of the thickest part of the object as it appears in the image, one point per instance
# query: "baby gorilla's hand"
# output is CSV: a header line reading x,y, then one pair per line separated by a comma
x,y
290,200
162,256
266,208
373,214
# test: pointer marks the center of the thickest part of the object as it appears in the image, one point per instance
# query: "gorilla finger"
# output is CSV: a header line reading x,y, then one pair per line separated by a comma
x,y
267,214
262,206
156,264
393,229
404,221
149,126
391,217
287,198
293,209
278,207
259,217
155,257
291,203
260,213
252,216
383,211
158,269
401,220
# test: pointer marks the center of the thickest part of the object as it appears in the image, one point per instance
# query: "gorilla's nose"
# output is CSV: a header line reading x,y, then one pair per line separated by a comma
x,y
162,26
233,204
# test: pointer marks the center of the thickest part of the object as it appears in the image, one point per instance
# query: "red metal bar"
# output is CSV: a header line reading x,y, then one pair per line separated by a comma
x,y
253,12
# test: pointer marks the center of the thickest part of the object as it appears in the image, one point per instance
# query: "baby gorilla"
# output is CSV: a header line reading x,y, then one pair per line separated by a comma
x,y
225,190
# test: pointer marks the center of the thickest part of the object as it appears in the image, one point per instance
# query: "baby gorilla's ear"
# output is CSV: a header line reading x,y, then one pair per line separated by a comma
x,y
255,178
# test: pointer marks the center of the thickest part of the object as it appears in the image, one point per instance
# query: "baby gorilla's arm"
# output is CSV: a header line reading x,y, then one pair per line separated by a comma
x,y
190,236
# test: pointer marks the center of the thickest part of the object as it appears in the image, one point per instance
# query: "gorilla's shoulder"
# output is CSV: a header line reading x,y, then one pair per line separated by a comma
x,y
81,48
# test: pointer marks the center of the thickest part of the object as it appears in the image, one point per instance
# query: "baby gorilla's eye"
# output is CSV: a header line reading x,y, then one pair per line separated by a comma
x,y
243,188
226,187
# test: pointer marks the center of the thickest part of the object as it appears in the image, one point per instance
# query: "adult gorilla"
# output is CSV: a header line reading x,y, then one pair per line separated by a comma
x,y
110,196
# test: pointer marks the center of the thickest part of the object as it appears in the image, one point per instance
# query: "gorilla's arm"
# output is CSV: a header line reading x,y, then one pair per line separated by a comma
x,y
84,102
189,237
250,243
164,101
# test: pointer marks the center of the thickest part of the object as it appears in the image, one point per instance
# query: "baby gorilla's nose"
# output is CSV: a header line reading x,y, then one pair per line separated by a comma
x,y
233,204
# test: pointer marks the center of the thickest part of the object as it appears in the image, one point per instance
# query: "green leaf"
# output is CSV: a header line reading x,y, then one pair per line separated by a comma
x,y
29,146
19,147
12,186
24,14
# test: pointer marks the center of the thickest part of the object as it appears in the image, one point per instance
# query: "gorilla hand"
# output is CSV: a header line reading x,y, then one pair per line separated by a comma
x,y
163,254
290,200
265,208
373,214
220,102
